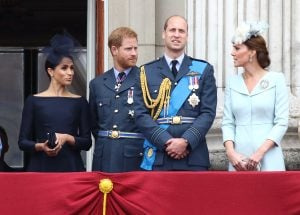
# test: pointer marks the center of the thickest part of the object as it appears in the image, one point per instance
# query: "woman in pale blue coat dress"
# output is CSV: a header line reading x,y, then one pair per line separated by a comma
x,y
256,106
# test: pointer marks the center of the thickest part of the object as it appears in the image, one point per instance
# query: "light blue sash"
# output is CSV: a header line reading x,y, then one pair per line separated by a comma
x,y
178,97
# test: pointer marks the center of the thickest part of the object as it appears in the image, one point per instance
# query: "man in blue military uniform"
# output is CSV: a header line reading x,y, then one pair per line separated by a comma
x,y
176,105
119,145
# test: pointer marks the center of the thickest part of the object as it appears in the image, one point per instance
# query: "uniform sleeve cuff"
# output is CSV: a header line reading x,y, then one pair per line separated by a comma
x,y
159,138
193,136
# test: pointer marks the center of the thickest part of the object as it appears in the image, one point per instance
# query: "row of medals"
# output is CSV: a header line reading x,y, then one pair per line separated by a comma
x,y
193,86
129,98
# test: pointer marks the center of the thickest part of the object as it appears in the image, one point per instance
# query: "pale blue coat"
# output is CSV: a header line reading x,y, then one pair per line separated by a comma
x,y
251,118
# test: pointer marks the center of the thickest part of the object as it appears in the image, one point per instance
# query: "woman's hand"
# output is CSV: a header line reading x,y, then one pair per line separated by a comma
x,y
237,160
61,139
257,156
254,160
43,147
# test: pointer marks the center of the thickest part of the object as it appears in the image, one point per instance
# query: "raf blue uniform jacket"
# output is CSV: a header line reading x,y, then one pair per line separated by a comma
x,y
110,111
204,113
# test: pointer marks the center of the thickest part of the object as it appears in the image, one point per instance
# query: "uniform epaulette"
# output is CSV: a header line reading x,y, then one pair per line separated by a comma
x,y
157,59
204,61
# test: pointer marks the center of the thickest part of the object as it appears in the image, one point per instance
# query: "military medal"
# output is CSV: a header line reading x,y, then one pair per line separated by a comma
x,y
130,96
191,83
131,113
117,87
194,100
196,83
264,84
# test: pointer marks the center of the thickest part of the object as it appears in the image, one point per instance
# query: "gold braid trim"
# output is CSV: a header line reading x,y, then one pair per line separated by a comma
x,y
162,99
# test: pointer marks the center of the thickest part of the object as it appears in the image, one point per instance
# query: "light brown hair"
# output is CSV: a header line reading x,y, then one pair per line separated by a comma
x,y
167,20
116,37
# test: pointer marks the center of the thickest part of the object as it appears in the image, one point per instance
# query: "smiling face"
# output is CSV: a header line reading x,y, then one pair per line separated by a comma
x,y
241,55
126,55
175,36
63,73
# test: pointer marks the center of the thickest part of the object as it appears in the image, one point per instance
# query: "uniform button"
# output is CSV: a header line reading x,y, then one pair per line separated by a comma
x,y
117,96
100,104
116,110
141,154
115,126
175,83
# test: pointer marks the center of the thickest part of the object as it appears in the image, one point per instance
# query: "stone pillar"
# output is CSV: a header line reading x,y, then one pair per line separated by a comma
x,y
140,16
164,9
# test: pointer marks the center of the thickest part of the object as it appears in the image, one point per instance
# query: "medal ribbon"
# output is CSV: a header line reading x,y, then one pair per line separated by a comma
x,y
178,97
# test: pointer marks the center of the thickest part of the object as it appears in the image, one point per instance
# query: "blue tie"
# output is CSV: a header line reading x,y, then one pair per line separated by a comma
x,y
121,77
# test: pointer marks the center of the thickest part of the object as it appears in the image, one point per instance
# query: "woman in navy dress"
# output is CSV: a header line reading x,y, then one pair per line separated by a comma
x,y
59,112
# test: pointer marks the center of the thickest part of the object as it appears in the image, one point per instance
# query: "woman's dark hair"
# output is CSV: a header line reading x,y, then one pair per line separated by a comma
x,y
61,45
258,43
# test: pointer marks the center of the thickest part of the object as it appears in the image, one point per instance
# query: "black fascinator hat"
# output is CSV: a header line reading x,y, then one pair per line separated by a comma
x,y
61,45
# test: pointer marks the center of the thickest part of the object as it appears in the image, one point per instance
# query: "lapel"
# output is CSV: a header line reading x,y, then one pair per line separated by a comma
x,y
130,80
238,84
184,68
110,80
164,69
263,85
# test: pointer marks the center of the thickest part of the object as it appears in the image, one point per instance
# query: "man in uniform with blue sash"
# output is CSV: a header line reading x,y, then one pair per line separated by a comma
x,y
175,105
119,144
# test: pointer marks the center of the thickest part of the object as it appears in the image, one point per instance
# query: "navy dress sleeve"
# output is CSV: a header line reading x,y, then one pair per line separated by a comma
x,y
26,135
83,140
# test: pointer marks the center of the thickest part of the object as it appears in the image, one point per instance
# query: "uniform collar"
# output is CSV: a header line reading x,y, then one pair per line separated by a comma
x,y
169,61
116,72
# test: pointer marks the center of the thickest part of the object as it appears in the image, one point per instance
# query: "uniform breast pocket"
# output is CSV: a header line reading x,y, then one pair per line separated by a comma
x,y
154,89
104,106
127,110
191,105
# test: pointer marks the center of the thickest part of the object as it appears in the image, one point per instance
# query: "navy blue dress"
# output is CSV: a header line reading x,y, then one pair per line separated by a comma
x,y
61,115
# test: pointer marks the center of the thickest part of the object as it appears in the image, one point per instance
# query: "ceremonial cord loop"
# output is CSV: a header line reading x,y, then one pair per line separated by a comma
x,y
162,99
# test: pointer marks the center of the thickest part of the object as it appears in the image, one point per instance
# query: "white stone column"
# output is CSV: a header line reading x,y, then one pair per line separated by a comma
x,y
295,48
140,16
275,35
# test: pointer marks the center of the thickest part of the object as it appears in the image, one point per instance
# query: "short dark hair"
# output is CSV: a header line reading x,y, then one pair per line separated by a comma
x,y
258,44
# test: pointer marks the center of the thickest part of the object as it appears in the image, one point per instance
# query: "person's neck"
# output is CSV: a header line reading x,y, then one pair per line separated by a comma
x,y
55,90
253,71
119,68
173,55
